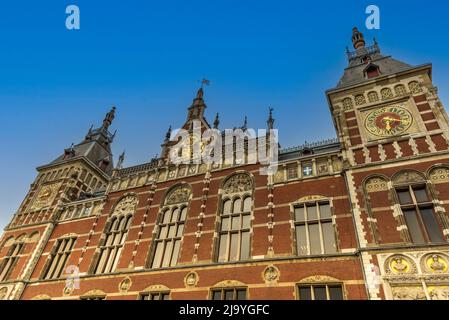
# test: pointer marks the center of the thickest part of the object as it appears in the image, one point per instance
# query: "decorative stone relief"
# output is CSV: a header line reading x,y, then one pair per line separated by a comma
x,y
238,183
399,264
386,93
376,184
3,292
408,293
408,177
229,283
414,87
125,285
271,274
439,175
191,279
435,263
439,292
360,100
347,104
125,206
178,195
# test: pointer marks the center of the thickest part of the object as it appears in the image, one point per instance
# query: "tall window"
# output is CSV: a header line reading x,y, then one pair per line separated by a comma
x,y
314,230
59,256
10,260
165,295
419,214
320,292
229,294
115,235
235,219
171,228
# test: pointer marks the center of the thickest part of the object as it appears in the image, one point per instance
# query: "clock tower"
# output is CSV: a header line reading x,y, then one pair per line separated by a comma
x,y
394,134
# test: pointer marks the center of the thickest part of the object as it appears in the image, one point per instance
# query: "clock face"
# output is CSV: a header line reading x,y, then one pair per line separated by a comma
x,y
45,196
388,121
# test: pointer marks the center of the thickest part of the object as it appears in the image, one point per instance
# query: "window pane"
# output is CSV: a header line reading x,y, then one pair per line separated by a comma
x,y
241,294
247,205
325,210
216,295
165,296
155,296
180,230
171,231
245,246
246,221
223,246
319,292
237,206
175,214
163,232
311,213
225,224
329,238
158,255
301,240
335,293
167,254
234,252
404,196
166,216
183,214
229,294
421,195
299,214
227,207
432,227
305,293
235,225
413,226
314,238
174,259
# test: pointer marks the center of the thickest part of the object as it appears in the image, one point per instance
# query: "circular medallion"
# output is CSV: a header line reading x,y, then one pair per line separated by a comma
x,y
388,121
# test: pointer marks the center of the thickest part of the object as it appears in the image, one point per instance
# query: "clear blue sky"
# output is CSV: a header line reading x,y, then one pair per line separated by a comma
x,y
145,57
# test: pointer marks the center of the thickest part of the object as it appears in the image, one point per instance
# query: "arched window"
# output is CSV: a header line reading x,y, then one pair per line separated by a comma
x,y
235,219
172,219
12,257
372,71
347,104
115,235
58,257
414,87
417,208
360,99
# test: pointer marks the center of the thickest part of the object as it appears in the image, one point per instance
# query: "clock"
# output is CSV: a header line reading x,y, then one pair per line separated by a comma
x,y
45,196
388,121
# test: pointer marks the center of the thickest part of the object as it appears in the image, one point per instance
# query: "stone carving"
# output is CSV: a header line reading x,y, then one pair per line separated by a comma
x,y
178,195
399,90
347,104
229,283
376,184
311,198
435,263
399,264
386,93
41,297
414,87
126,205
271,274
238,183
360,99
373,96
439,175
125,285
319,279
156,288
191,279
408,293
408,177
439,293
3,293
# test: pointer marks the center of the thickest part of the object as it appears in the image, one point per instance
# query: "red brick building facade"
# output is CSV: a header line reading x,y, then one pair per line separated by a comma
x,y
363,216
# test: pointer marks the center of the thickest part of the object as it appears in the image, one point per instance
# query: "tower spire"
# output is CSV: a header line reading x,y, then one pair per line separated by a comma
x,y
270,121
109,118
357,39
245,123
121,159
216,121
168,134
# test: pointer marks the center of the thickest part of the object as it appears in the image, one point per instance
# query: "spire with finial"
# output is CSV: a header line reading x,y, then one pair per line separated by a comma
x,y
357,39
245,123
168,134
216,121
270,121
121,159
109,118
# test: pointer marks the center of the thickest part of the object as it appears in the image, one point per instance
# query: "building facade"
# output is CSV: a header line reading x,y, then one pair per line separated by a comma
x,y
363,216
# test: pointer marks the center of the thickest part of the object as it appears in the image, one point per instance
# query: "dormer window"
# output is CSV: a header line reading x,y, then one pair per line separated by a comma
x,y
372,71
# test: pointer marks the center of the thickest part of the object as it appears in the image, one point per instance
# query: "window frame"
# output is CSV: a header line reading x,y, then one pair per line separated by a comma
x,y
317,221
10,260
222,292
144,294
60,255
311,285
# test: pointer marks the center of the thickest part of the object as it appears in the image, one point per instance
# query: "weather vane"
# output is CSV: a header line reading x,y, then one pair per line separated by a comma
x,y
204,82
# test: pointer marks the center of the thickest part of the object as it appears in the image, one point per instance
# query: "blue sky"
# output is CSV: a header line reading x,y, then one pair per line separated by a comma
x,y
146,57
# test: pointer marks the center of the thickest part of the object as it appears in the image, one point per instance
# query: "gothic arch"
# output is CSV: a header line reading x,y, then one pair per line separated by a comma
x,y
375,182
238,182
178,193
